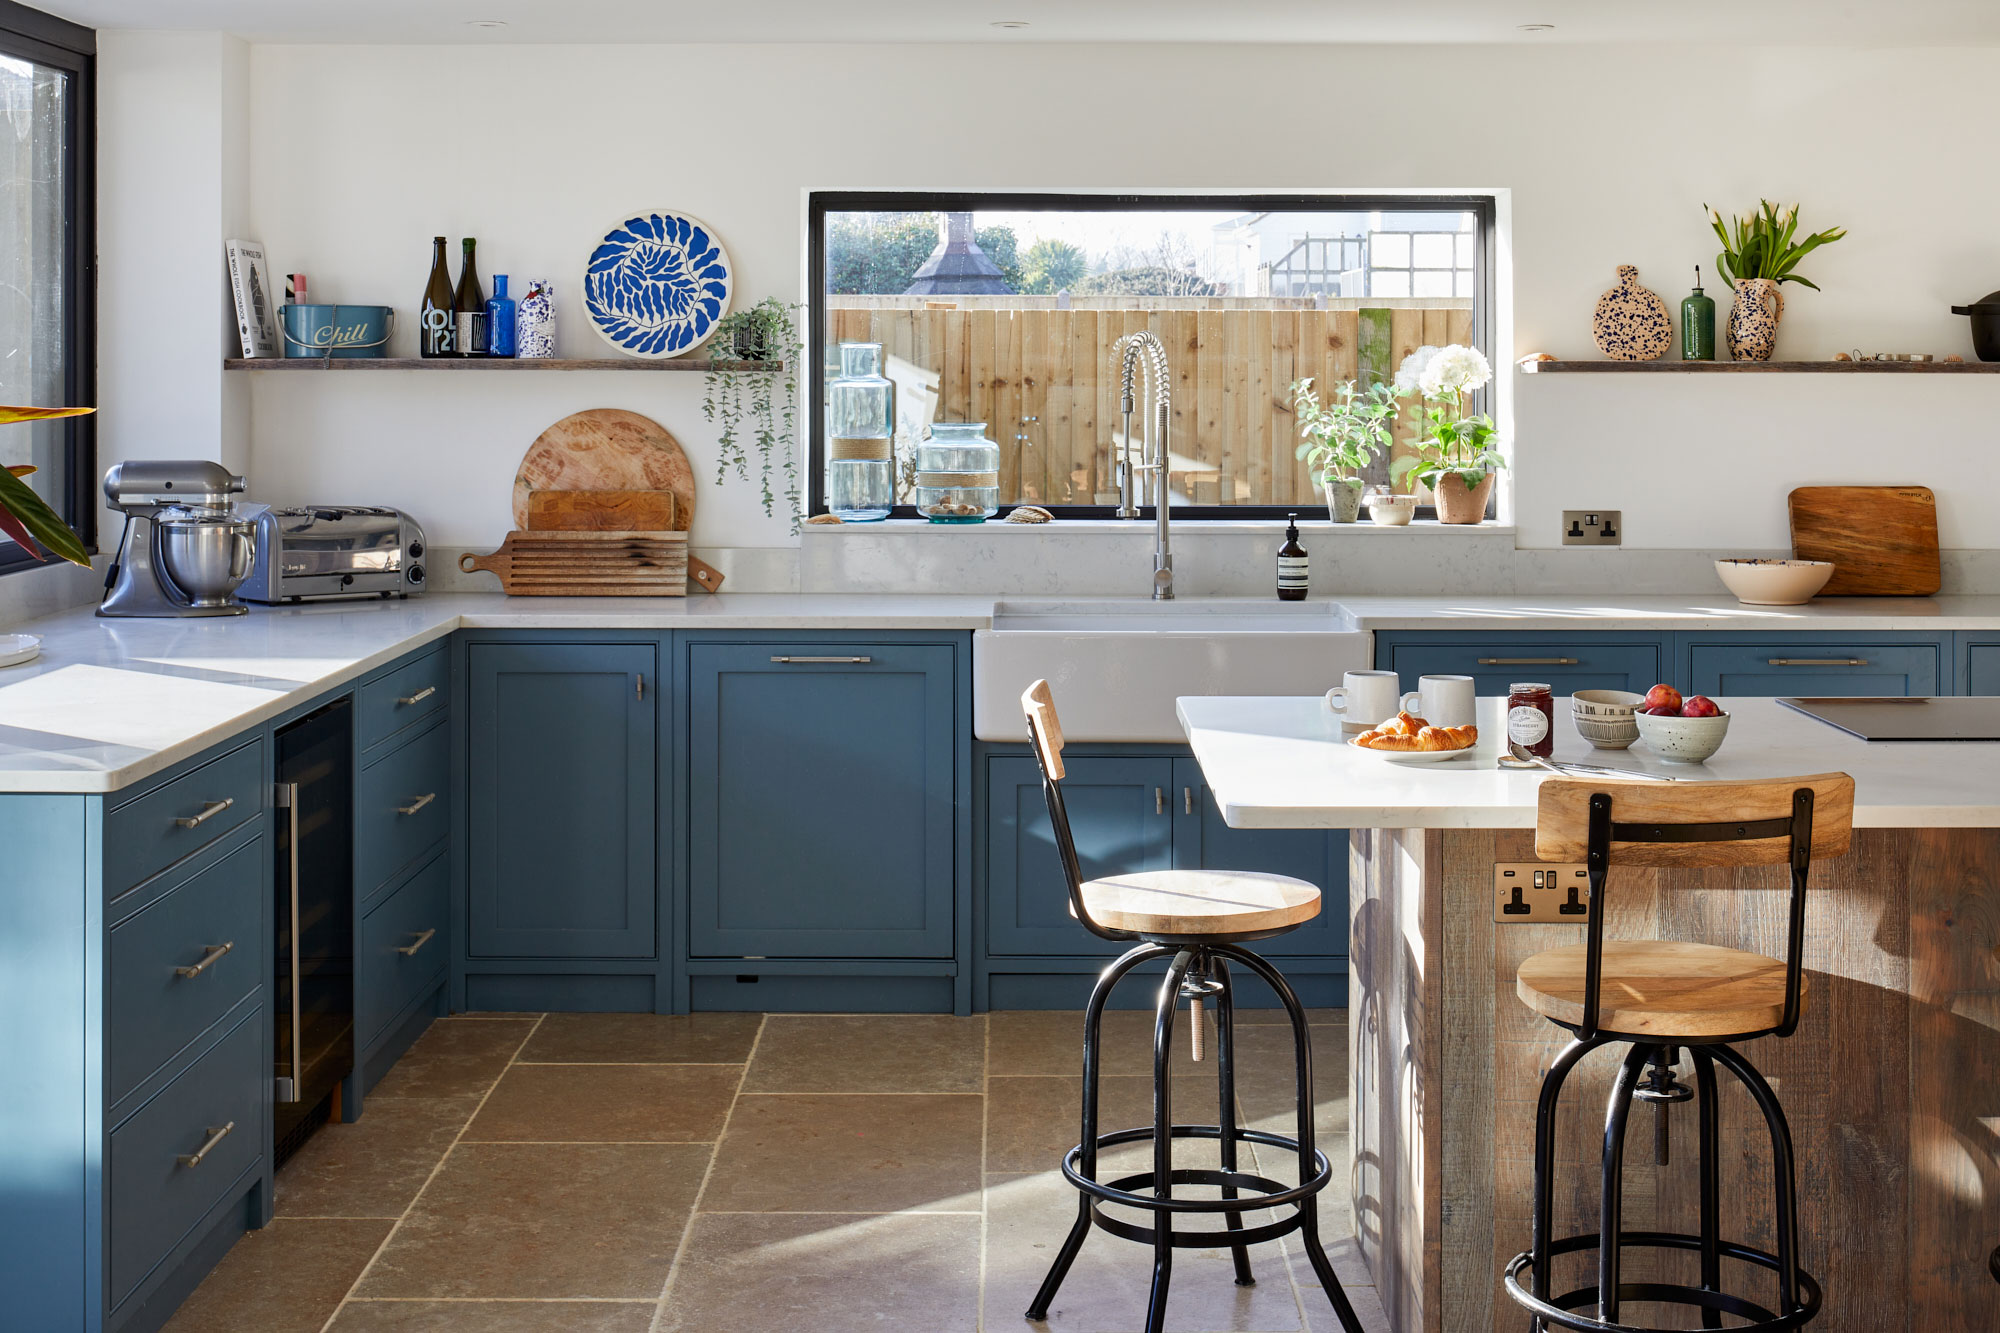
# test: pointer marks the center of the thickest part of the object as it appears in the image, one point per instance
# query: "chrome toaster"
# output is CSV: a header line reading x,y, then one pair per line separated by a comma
x,y
315,551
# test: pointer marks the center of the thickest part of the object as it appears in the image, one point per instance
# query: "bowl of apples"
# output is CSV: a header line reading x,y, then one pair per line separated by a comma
x,y
1681,730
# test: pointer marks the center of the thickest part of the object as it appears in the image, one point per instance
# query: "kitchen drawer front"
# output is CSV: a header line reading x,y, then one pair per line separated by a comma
x,y
1979,668
401,808
183,816
1591,663
155,1197
406,697
154,1010
401,950
1813,669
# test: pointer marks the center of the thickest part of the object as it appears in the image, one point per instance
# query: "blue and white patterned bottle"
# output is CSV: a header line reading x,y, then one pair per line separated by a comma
x,y
535,322
500,319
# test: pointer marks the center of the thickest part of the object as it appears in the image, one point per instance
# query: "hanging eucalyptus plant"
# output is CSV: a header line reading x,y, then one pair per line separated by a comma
x,y
765,403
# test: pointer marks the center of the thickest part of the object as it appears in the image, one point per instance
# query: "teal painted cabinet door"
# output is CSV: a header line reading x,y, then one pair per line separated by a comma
x,y
1121,814
1981,668
562,816
1202,840
821,800
1814,669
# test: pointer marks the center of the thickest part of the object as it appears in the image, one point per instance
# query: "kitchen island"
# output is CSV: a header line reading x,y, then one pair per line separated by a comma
x,y
1891,1084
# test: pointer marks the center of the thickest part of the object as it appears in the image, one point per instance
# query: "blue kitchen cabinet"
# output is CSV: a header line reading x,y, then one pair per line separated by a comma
x,y
562,819
1566,661
822,782
1811,665
1203,839
1978,664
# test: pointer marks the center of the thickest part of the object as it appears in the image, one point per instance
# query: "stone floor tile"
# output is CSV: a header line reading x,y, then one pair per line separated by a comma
x,y
869,1053
848,1153
375,1166
643,1039
456,1057
495,1317
287,1278
607,1104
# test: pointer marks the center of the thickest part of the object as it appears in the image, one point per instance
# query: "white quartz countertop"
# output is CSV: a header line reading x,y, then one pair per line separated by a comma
x,y
110,702
1284,763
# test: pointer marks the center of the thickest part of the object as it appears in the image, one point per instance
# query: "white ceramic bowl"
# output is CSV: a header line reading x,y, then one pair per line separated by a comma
x,y
1394,511
1774,582
18,648
1607,705
1682,740
1606,733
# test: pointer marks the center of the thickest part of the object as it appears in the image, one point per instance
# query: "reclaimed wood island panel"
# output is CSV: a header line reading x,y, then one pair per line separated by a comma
x,y
1891,1083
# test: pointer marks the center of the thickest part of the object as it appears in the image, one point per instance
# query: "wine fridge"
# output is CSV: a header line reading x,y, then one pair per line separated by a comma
x,y
313,991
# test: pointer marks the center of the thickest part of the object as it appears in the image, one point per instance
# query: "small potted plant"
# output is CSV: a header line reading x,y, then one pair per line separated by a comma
x,y
1457,455
763,333
1756,257
1342,437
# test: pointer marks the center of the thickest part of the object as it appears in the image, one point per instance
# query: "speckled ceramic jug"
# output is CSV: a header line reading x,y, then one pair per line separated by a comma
x,y
1753,320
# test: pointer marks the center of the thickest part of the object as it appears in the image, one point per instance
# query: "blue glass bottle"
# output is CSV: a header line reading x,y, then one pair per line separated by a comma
x,y
500,319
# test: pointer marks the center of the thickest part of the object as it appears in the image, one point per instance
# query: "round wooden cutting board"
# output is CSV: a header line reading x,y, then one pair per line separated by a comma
x,y
606,449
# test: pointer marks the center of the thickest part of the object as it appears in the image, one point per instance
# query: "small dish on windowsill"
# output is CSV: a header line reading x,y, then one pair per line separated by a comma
x,y
16,649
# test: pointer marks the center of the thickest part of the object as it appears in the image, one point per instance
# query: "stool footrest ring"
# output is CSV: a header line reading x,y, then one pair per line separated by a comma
x,y
1276,1195
1560,1311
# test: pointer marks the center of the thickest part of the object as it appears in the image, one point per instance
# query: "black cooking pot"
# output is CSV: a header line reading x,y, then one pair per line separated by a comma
x,y
1985,314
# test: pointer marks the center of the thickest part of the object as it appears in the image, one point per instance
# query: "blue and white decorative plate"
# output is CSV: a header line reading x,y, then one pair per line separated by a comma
x,y
657,283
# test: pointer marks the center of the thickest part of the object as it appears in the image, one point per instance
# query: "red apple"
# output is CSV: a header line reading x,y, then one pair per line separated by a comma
x,y
1700,705
1662,696
1662,711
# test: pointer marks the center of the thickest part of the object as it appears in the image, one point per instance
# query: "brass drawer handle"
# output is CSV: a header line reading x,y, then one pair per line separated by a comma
x,y
215,1136
855,661
1187,800
409,950
208,812
208,960
417,698
1159,800
417,804
1819,661
1528,661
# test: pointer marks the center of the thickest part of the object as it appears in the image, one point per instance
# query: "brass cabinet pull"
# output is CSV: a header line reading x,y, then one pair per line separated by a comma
x,y
1528,661
417,804
1159,800
208,812
854,661
409,950
1187,800
640,689
215,1136
208,960
417,698
1819,661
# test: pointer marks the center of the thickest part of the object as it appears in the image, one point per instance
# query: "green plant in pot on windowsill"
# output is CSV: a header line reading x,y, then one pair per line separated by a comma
x,y
1758,254
1342,437
765,400
1458,454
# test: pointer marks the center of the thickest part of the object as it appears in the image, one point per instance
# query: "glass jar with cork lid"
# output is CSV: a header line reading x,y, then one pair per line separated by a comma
x,y
860,437
958,473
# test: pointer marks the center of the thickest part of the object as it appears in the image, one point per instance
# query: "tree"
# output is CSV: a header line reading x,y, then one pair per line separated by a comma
x,y
878,254
1000,245
1148,281
1051,266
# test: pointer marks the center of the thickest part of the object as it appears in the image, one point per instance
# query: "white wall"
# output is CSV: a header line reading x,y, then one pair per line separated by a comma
x,y
358,155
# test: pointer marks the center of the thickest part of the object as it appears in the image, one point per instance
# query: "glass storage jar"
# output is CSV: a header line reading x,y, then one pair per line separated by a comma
x,y
860,437
958,473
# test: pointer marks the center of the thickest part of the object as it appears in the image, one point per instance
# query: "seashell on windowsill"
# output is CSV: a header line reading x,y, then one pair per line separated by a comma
x,y
1030,514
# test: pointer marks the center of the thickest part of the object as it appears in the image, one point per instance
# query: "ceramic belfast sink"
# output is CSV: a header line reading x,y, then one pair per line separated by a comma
x,y
1116,665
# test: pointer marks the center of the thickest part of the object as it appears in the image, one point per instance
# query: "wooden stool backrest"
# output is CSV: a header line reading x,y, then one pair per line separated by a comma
x,y
1044,729
1045,734
1562,819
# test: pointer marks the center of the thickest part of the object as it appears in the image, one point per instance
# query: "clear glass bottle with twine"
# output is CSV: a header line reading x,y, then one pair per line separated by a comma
x,y
958,473
860,437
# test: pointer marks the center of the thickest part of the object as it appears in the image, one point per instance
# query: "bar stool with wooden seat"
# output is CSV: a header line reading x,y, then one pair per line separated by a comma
x,y
1658,996
1200,919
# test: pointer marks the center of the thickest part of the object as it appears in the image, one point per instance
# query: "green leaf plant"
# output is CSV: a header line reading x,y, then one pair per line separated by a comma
x,y
1345,434
1760,244
24,515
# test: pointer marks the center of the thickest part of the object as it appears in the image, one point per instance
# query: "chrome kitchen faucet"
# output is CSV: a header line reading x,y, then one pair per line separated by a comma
x,y
1130,349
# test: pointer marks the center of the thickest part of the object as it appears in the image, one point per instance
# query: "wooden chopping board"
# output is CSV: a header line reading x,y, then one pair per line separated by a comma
x,y
606,449
1882,540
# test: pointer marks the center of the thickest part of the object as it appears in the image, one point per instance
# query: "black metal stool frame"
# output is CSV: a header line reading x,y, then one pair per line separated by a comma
x,y
1799,1296
1205,963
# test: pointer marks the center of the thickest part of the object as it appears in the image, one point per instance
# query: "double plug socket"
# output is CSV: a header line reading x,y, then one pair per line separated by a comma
x,y
1537,891
1593,527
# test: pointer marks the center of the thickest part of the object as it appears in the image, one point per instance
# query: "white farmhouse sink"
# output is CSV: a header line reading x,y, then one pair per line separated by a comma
x,y
1116,665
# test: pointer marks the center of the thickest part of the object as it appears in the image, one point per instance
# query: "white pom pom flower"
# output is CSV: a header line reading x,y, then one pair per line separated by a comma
x,y
1411,371
1453,371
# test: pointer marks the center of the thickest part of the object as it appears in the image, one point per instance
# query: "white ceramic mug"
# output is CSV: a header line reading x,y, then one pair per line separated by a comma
x,y
1364,698
1443,701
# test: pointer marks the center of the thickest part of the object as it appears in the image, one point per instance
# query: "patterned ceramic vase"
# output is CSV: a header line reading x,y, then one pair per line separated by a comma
x,y
1459,503
535,322
1753,320
1631,322
1343,502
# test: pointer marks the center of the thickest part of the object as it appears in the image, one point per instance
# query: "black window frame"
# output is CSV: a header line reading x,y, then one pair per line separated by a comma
x,y
821,202
30,34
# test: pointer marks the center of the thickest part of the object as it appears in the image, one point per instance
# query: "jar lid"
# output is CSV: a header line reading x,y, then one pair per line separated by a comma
x,y
1530,687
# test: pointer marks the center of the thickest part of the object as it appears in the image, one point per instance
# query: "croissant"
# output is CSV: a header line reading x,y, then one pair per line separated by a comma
x,y
1392,741
1432,739
1406,724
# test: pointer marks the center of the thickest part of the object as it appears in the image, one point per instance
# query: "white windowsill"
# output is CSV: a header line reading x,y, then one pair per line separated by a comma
x,y
1144,526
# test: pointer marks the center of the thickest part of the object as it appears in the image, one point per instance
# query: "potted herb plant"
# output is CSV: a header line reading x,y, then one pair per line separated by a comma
x,y
764,332
1458,454
25,516
1758,254
1342,437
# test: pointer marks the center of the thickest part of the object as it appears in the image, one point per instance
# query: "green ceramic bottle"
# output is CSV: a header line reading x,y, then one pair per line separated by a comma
x,y
1697,324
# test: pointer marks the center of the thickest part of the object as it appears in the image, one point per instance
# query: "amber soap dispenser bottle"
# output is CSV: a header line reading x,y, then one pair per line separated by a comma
x,y
1293,579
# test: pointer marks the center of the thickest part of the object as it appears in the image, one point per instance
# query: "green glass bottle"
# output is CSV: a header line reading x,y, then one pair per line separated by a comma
x,y
1697,324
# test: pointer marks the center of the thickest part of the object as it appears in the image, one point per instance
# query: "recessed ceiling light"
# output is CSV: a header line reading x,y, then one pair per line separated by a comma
x,y
486,23
1536,27
1009,24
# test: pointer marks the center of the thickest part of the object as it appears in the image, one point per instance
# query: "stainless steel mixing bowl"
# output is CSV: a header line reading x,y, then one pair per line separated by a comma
x,y
207,555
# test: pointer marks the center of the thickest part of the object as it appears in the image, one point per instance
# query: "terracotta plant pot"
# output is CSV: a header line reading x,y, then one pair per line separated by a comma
x,y
1343,502
1459,503
1753,320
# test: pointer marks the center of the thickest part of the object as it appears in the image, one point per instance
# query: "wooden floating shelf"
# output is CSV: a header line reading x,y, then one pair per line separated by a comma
x,y
488,363
1760,367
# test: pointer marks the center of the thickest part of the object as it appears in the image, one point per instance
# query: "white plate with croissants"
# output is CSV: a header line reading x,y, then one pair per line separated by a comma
x,y
1408,739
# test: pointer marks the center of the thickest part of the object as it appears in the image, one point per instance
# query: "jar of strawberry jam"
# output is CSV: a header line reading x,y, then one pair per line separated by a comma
x,y
1531,719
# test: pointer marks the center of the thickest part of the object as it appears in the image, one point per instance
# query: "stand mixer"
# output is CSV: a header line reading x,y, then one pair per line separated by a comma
x,y
184,551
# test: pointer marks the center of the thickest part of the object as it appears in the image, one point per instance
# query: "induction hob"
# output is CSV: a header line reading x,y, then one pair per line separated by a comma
x,y
1948,718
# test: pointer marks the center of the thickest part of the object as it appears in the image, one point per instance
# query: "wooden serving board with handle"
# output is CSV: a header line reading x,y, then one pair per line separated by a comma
x,y
602,511
587,564
605,449
1882,540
